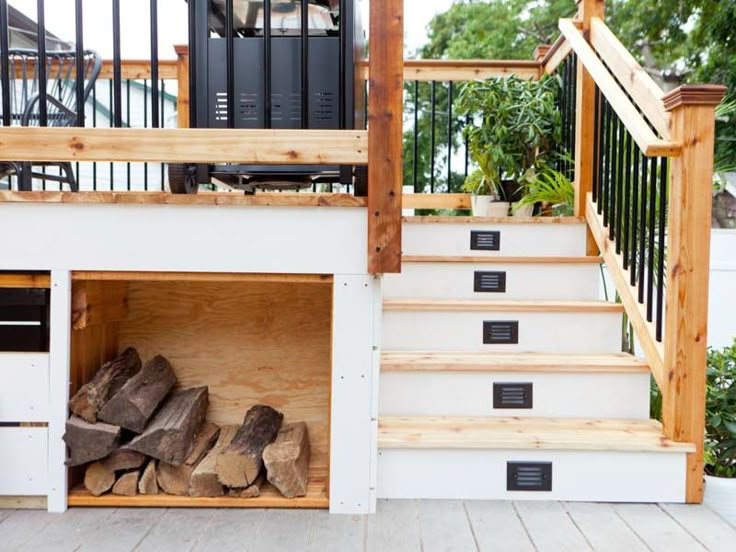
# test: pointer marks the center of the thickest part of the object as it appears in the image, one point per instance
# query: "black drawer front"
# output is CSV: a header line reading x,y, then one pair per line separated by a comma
x,y
24,320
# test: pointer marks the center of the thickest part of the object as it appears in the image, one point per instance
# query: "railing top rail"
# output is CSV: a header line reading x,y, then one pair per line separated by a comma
x,y
131,69
556,55
646,139
640,86
427,70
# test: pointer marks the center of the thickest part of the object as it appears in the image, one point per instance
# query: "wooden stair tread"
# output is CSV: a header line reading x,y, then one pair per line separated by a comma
x,y
396,432
500,260
477,305
492,220
444,361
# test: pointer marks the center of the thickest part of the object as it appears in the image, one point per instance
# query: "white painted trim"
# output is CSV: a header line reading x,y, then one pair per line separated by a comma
x,y
59,378
23,461
576,475
185,238
353,434
24,392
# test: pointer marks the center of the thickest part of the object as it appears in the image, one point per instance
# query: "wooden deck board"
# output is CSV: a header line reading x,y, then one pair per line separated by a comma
x,y
603,528
499,305
550,528
659,531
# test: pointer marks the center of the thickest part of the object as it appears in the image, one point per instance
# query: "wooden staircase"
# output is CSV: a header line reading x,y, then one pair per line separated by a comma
x,y
502,376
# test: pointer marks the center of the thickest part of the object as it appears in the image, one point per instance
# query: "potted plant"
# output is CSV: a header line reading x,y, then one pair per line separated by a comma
x,y
514,127
553,190
720,432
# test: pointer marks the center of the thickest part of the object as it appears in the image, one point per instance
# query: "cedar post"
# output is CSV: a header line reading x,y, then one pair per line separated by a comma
x,y
688,266
585,120
182,77
385,135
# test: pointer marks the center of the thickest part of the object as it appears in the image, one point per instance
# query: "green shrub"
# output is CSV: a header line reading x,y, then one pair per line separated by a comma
x,y
720,412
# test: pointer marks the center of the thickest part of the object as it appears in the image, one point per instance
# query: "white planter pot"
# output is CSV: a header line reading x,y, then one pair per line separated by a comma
x,y
525,211
487,206
720,496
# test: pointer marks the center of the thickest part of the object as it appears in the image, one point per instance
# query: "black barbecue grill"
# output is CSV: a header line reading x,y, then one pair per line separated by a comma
x,y
281,64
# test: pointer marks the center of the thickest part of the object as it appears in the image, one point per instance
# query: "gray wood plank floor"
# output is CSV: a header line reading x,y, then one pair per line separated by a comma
x,y
402,526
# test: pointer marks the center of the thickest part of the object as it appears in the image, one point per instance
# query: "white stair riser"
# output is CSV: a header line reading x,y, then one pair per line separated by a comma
x,y
519,240
576,475
523,281
543,332
556,395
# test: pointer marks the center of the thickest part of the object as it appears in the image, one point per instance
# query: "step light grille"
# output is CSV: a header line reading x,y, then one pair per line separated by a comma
x,y
485,240
489,282
513,395
499,332
529,476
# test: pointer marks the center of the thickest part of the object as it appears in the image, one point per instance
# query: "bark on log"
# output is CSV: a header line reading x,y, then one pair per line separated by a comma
x,y
147,485
241,462
134,405
170,435
204,482
254,491
124,459
176,480
287,460
89,442
98,479
127,484
108,380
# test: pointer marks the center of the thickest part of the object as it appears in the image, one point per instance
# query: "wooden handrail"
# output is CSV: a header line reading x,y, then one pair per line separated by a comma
x,y
556,55
427,70
640,86
645,138
267,147
140,69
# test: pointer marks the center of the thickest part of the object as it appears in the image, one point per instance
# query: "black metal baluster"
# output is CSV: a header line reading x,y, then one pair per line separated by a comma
x,y
117,66
432,133
652,219
625,227
343,61
614,176
230,62
450,99
145,125
596,144
127,105
110,120
305,62
192,18
267,63
663,178
5,63
163,125
41,69
94,125
605,139
154,63
620,152
79,47
634,214
643,224
415,163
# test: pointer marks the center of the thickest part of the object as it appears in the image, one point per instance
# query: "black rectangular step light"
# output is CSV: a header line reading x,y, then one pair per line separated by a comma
x,y
485,240
513,396
529,476
489,282
500,332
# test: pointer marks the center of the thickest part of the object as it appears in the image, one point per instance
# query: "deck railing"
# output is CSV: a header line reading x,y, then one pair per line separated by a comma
x,y
643,181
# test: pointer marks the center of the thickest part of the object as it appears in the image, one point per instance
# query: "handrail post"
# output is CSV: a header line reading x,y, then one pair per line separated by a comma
x,y
688,267
182,77
385,135
585,120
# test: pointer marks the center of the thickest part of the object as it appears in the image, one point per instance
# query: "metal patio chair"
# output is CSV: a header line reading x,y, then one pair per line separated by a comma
x,y
61,105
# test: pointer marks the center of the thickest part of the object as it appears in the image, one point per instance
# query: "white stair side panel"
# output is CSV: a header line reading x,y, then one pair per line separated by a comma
x,y
523,281
576,475
575,395
518,240
24,393
542,332
23,461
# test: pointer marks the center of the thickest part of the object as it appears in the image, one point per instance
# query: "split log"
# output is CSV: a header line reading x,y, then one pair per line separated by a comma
x,y
127,484
108,380
98,479
89,442
254,491
124,459
241,462
147,485
175,480
287,460
170,435
204,480
134,405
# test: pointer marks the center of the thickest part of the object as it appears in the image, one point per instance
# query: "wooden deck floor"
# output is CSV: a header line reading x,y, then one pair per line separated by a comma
x,y
399,526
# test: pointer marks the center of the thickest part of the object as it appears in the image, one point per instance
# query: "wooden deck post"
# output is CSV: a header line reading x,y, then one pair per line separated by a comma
x,y
688,268
182,77
385,135
585,120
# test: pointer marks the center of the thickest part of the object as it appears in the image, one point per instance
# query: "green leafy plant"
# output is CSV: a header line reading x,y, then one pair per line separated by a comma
x,y
550,187
514,129
720,413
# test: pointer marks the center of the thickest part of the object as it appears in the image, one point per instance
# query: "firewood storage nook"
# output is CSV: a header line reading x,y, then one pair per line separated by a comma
x,y
262,304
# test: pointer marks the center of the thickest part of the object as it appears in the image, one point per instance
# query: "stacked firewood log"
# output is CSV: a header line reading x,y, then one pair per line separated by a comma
x,y
137,433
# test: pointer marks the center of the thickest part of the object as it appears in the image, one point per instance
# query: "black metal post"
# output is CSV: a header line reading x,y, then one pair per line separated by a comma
x,y
432,133
625,226
305,63
5,63
450,99
643,215
192,13
117,73
267,63
154,64
41,69
635,213
79,47
652,218
230,56
344,22
415,163
663,165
